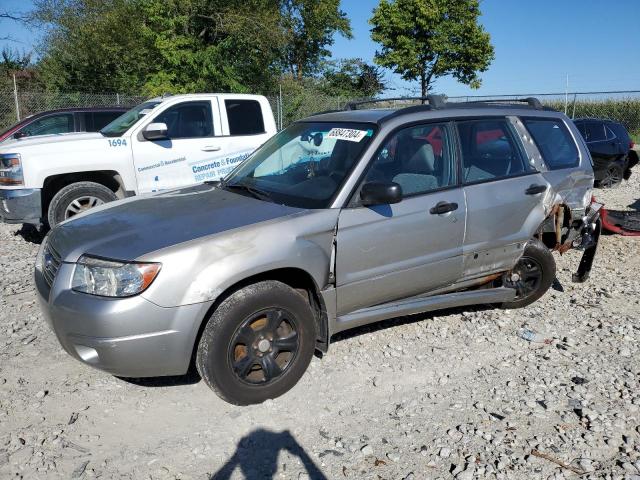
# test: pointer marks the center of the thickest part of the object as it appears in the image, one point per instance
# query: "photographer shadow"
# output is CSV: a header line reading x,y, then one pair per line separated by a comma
x,y
257,456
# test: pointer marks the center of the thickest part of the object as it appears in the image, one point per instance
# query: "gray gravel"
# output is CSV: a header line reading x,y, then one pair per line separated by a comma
x,y
455,394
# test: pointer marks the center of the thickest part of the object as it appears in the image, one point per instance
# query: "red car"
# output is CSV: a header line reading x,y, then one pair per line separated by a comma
x,y
66,120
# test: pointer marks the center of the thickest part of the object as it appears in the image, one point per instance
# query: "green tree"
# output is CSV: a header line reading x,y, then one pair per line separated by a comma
x,y
352,78
426,39
93,45
309,27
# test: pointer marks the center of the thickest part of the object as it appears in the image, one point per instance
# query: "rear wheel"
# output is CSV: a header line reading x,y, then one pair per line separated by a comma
x,y
77,198
612,176
532,276
257,343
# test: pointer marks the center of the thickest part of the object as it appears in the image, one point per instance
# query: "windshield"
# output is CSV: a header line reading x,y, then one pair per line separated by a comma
x,y
304,165
128,119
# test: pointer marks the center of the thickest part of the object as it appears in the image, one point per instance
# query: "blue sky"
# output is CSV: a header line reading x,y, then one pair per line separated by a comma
x,y
537,44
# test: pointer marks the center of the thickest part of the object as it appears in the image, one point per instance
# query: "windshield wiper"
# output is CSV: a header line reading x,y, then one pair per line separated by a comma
x,y
255,192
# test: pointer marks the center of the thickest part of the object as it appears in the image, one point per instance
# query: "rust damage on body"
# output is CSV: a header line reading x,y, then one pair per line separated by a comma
x,y
561,232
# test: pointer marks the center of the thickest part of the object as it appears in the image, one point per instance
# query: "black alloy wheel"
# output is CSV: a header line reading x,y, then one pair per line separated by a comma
x,y
264,346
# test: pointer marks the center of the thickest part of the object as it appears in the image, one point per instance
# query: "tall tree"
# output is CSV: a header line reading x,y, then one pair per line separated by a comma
x,y
426,39
352,77
310,26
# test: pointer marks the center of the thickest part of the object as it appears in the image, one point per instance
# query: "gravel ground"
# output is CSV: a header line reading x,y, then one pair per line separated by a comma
x,y
452,394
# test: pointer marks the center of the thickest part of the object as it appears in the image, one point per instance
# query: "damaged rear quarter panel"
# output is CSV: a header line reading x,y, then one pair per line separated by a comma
x,y
203,269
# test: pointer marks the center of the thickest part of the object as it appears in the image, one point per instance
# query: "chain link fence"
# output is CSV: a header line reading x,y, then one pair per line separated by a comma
x,y
621,106
15,106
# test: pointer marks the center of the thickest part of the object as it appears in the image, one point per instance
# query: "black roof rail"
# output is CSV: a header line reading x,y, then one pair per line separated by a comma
x,y
533,102
435,101
325,111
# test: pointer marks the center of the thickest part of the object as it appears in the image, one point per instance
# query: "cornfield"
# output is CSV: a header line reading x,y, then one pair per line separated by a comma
x,y
623,107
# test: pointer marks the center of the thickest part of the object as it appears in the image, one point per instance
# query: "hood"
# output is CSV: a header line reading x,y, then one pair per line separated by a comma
x,y
128,229
13,146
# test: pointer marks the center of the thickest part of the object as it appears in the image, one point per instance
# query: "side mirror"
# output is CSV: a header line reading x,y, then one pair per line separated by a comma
x,y
18,135
155,131
380,193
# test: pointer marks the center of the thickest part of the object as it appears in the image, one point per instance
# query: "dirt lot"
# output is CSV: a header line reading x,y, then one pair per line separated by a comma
x,y
452,394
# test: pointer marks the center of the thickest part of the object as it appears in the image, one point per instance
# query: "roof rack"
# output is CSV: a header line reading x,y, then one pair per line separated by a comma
x,y
434,101
531,101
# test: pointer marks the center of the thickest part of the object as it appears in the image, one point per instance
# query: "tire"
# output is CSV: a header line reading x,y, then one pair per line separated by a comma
x,y
612,177
529,290
233,347
77,198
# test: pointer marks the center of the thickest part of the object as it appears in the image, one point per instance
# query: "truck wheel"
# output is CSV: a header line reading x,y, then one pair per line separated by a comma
x,y
257,343
612,177
77,198
532,276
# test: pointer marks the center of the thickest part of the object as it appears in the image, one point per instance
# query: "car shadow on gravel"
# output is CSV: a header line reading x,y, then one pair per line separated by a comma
x,y
31,234
257,456
398,321
190,378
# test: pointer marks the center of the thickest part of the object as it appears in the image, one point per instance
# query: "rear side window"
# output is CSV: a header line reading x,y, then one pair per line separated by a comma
x,y
489,151
245,117
554,142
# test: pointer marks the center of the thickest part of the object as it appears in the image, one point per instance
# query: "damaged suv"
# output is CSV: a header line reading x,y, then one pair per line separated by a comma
x,y
342,219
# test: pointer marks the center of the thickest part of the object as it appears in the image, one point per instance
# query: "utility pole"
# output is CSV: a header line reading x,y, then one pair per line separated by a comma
x,y
566,95
15,96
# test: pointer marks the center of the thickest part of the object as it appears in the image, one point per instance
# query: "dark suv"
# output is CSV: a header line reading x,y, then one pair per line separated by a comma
x,y
65,120
611,150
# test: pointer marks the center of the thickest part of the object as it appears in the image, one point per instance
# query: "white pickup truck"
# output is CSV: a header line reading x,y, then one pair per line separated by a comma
x,y
162,143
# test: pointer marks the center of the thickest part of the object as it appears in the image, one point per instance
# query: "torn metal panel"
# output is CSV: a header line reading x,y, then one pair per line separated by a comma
x,y
622,222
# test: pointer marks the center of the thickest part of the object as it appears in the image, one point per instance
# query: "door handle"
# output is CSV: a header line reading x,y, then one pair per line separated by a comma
x,y
535,189
443,207
211,148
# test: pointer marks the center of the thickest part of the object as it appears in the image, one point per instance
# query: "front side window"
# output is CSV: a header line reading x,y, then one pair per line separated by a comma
x,y
554,142
94,121
124,122
489,151
62,123
187,120
244,116
418,158
304,165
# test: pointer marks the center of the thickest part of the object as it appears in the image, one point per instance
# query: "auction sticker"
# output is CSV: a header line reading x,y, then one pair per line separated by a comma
x,y
349,134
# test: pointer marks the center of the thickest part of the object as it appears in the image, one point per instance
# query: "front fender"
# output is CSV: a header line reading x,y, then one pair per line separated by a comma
x,y
201,270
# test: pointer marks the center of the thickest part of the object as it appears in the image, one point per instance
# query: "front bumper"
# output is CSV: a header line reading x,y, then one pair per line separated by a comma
x,y
22,205
128,337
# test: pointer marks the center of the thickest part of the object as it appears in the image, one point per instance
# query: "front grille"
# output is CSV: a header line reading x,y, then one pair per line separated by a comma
x,y
50,263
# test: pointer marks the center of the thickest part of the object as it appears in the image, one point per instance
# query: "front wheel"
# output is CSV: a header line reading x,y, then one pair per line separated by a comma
x,y
77,198
532,276
257,343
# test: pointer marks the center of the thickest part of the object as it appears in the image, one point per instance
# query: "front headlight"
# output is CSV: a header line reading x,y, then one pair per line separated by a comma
x,y
111,278
11,169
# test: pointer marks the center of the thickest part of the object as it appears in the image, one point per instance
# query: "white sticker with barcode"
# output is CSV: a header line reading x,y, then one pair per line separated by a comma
x,y
349,134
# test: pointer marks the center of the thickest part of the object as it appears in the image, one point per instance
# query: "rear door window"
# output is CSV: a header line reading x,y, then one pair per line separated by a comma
x,y
594,132
245,117
554,142
490,151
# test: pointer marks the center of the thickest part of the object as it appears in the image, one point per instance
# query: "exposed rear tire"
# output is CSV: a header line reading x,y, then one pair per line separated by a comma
x,y
612,177
532,275
76,198
257,343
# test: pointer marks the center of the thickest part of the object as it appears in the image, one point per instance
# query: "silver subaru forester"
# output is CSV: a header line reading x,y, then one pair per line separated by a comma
x,y
342,219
